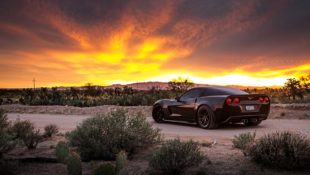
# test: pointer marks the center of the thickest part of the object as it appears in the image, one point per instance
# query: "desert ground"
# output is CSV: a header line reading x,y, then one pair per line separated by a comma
x,y
221,157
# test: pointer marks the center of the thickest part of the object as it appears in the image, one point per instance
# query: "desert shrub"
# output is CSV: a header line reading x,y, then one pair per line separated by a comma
x,y
22,127
121,161
284,150
24,130
50,130
74,164
62,151
244,140
32,139
105,169
7,141
104,135
4,123
175,156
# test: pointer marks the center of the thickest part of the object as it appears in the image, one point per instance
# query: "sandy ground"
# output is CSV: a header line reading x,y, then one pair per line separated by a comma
x,y
173,129
221,158
278,111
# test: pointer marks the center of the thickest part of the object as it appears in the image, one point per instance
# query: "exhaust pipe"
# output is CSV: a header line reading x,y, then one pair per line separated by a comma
x,y
245,120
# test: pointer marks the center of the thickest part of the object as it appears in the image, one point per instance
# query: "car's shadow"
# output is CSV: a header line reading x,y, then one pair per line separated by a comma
x,y
233,126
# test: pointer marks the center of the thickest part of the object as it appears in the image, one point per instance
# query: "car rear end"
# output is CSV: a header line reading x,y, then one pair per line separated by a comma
x,y
245,108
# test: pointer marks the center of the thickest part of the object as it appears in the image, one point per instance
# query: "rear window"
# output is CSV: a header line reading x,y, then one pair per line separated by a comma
x,y
210,91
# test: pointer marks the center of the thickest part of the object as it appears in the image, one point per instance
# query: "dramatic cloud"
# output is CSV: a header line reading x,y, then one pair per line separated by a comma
x,y
71,42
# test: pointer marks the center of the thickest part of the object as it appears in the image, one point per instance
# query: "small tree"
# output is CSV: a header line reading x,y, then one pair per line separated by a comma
x,y
180,84
305,81
293,88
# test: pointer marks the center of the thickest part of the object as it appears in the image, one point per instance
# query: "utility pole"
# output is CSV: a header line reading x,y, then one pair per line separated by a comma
x,y
34,83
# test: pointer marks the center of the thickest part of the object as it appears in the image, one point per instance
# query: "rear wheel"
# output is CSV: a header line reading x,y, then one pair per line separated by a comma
x,y
205,118
158,114
253,123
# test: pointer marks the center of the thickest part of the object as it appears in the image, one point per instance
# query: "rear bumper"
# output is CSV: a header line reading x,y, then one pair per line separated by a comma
x,y
239,118
237,114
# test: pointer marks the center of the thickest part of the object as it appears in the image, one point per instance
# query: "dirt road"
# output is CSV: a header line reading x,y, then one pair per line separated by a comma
x,y
170,129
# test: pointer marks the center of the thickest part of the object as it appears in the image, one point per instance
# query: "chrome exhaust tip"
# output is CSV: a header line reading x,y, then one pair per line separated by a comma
x,y
245,120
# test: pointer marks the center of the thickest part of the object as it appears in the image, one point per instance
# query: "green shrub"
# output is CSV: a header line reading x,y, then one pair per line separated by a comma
x,y
104,135
32,139
175,156
121,161
25,131
22,127
74,164
50,130
7,141
4,123
62,151
244,140
105,169
284,150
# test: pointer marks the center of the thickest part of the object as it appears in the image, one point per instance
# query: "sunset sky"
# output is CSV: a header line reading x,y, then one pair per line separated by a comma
x,y
72,42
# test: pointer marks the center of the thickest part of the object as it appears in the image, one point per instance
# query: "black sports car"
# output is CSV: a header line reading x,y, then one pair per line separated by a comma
x,y
211,106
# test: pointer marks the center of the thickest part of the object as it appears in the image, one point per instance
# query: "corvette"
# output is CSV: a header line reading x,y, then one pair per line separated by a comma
x,y
212,106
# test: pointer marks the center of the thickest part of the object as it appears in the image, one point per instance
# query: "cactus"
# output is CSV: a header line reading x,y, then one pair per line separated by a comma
x,y
62,151
105,169
121,161
74,165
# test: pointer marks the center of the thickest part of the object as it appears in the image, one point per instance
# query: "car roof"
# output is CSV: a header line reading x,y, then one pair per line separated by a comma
x,y
213,87
228,90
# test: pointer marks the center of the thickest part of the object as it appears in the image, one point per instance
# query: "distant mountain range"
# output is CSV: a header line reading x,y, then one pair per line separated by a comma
x,y
157,85
164,85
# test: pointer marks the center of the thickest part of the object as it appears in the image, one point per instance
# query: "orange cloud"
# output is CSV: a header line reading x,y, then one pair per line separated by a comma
x,y
141,41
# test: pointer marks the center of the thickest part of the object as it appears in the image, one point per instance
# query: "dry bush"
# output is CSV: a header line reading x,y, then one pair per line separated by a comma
x,y
244,140
104,135
284,150
50,130
175,156
21,127
7,141
25,131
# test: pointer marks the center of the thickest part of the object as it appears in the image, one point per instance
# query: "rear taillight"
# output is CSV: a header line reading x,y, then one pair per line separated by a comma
x,y
236,100
228,100
261,99
266,100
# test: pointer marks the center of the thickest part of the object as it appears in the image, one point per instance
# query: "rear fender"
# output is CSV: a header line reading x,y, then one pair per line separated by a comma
x,y
214,102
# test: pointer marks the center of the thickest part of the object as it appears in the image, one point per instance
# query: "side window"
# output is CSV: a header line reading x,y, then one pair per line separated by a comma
x,y
191,94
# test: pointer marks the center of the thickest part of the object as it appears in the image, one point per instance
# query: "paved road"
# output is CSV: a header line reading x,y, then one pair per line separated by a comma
x,y
69,122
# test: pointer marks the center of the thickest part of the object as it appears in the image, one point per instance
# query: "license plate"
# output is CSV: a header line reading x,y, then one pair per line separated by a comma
x,y
249,108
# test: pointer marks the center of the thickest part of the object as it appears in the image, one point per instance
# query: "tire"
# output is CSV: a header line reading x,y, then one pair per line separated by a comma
x,y
205,118
253,123
158,114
